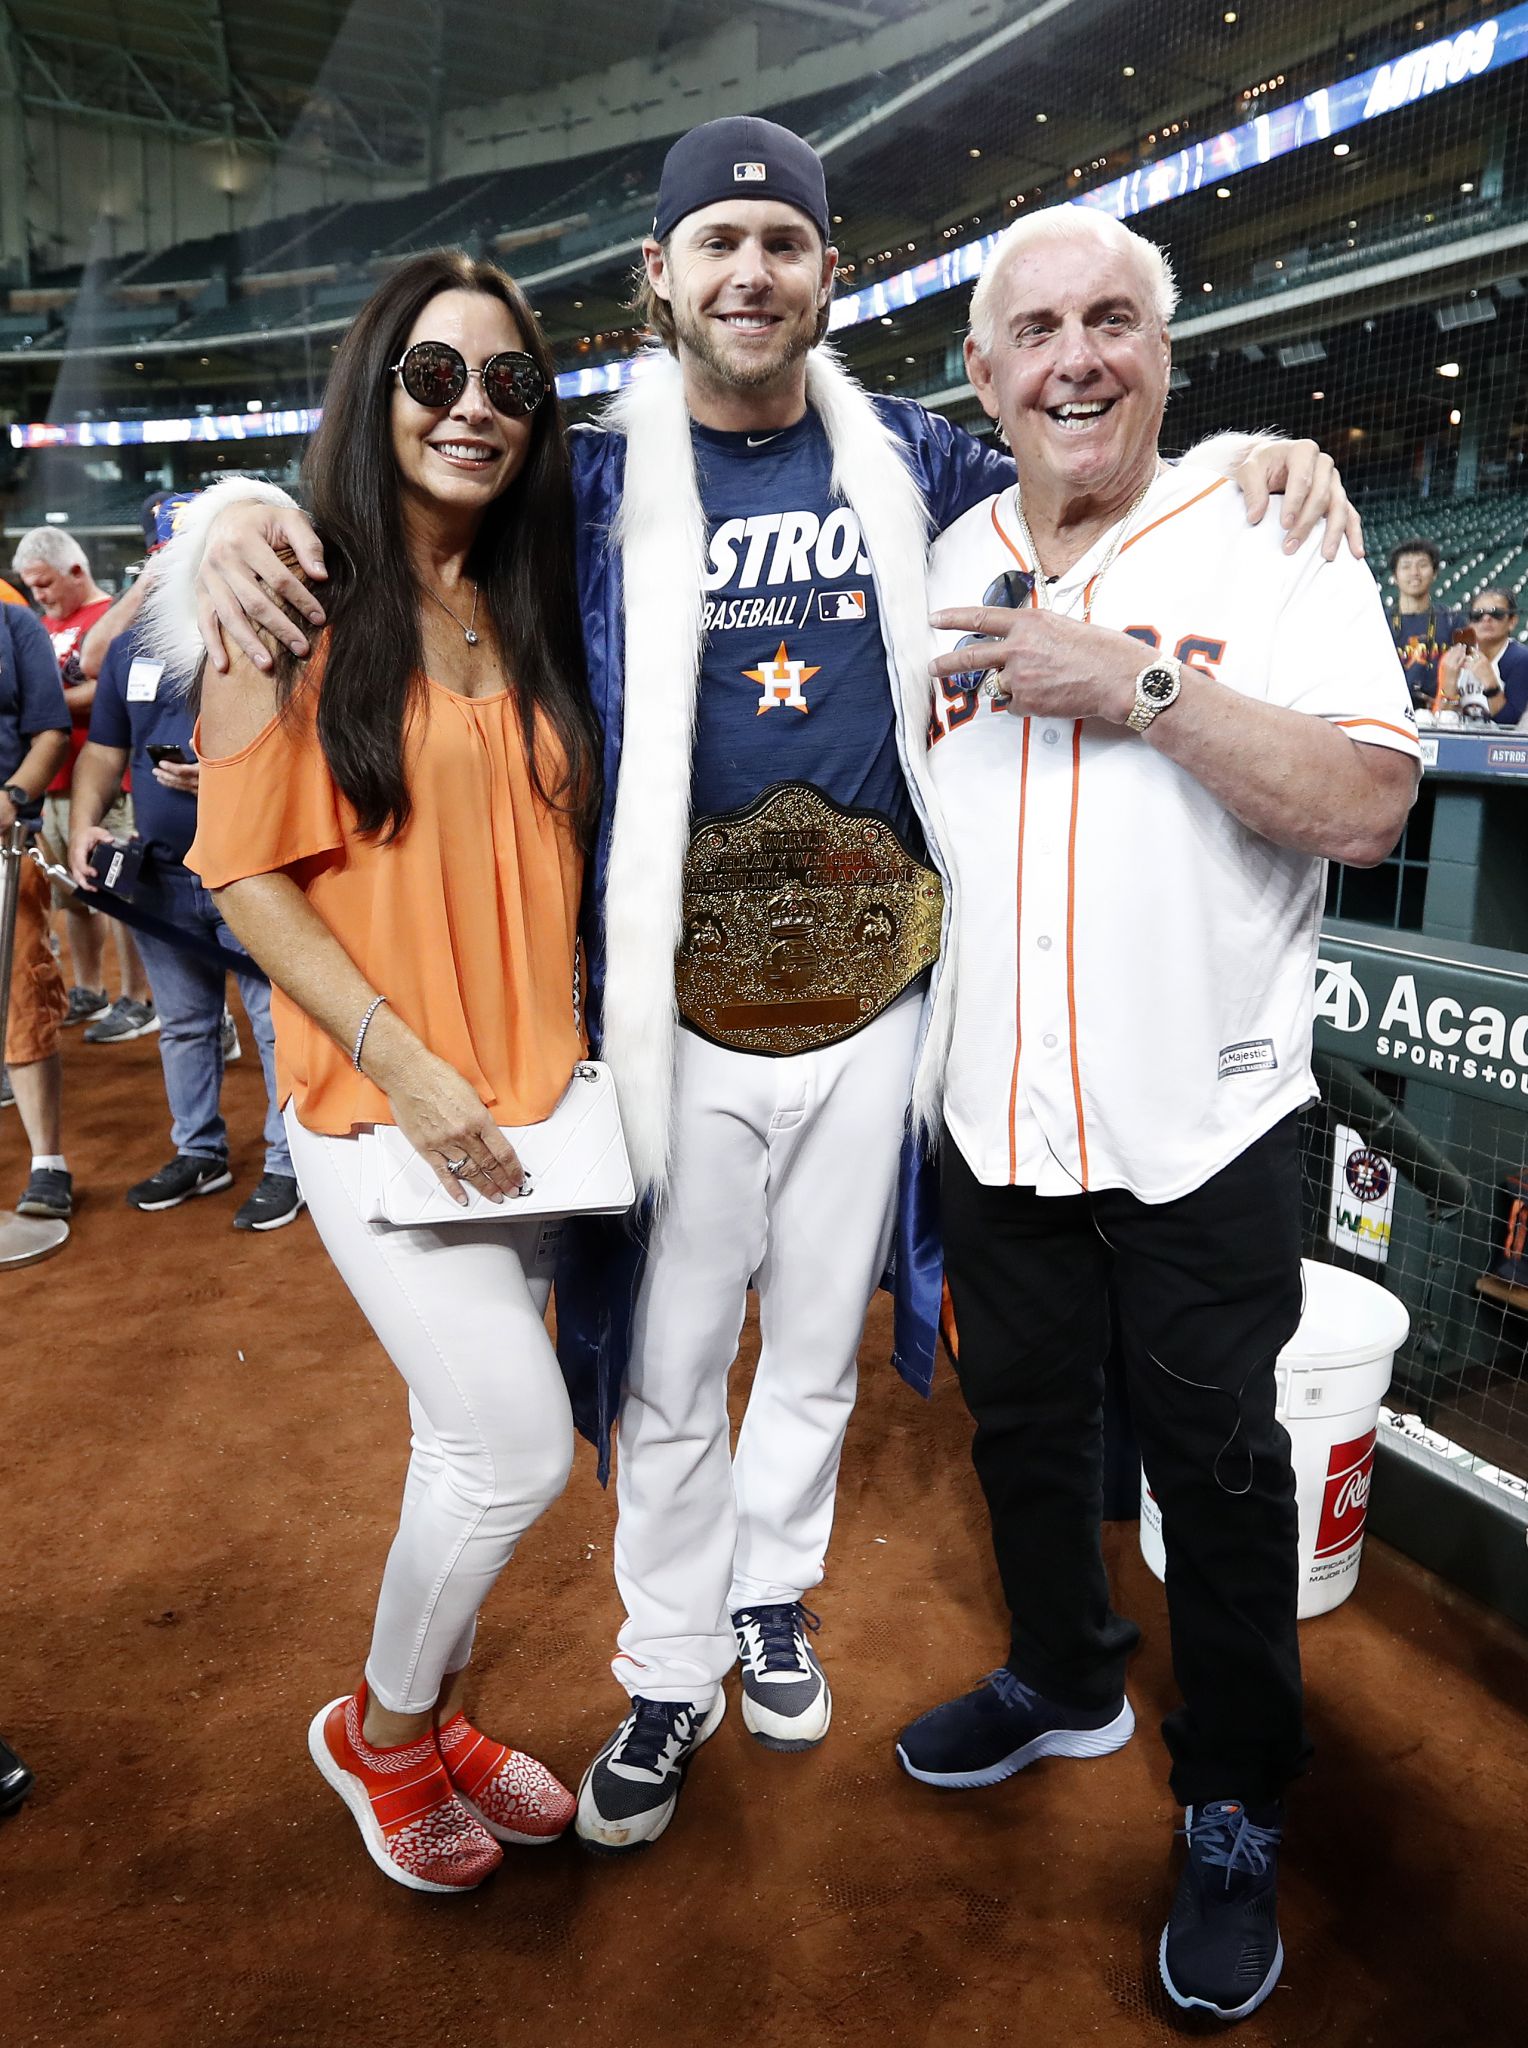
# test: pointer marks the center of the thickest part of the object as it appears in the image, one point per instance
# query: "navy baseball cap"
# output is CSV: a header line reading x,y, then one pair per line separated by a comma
x,y
161,516
740,157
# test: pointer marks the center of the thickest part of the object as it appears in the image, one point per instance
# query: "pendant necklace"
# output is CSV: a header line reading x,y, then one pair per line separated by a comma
x,y
1090,588
467,632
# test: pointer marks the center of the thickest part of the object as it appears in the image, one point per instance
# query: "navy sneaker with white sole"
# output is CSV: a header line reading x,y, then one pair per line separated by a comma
x,y
986,1735
181,1179
276,1202
1220,1950
786,1701
629,1792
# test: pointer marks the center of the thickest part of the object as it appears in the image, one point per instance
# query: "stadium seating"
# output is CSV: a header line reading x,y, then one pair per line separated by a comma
x,y
1483,540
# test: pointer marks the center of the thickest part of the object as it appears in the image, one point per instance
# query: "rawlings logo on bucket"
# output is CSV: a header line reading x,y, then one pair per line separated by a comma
x,y
1346,1499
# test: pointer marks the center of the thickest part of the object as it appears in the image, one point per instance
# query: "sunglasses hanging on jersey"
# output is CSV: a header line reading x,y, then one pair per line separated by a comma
x,y
1011,590
435,374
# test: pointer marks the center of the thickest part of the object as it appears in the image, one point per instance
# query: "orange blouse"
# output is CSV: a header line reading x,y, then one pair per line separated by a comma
x,y
466,922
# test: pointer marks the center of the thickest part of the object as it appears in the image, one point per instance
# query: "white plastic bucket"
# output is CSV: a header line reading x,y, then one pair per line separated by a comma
x,y
1333,1373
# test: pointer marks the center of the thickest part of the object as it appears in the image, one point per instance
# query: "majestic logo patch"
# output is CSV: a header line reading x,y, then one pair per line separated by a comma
x,y
747,174
1250,1056
833,605
780,682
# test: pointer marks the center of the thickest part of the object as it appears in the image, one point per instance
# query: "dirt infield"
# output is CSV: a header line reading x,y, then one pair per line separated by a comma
x,y
202,1453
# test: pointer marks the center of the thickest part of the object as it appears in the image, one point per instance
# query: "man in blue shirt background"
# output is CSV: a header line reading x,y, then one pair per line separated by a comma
x,y
139,708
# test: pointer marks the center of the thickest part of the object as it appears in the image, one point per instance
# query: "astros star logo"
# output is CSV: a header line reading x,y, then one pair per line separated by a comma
x,y
780,681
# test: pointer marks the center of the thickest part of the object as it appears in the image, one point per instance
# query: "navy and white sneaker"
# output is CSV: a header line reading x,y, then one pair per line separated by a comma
x,y
276,1202
629,1792
15,1779
786,1701
1220,1950
181,1179
987,1735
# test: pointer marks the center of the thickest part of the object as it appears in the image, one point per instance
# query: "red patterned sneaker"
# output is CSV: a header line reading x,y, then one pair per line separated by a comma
x,y
514,1797
414,1827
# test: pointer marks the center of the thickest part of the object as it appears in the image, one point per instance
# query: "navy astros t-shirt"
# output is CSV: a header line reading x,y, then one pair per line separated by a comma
x,y
793,681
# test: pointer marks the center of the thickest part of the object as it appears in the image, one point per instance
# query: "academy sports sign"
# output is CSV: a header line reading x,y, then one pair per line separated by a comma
x,y
1461,1021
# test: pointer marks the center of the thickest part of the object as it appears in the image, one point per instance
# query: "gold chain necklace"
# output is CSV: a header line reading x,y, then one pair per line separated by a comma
x,y
1090,588
467,632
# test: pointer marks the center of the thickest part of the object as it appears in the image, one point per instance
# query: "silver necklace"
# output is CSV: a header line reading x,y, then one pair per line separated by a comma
x,y
1089,589
467,631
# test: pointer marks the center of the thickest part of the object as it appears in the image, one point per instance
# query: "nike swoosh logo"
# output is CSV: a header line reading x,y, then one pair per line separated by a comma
x,y
763,440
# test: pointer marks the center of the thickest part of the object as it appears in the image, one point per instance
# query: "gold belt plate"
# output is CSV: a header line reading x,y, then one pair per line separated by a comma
x,y
802,922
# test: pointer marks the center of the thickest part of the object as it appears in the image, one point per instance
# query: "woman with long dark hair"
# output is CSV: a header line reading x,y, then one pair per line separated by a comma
x,y
395,829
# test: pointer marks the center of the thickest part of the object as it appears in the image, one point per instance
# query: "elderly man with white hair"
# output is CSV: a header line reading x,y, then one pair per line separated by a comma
x,y
1152,725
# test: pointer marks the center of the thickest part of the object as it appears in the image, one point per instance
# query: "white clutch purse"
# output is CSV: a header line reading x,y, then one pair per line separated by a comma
x,y
575,1160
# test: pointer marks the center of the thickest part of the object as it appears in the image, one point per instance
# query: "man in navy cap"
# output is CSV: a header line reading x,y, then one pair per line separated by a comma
x,y
752,531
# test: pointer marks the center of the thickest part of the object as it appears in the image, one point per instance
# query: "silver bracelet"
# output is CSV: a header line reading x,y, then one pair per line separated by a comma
x,y
360,1038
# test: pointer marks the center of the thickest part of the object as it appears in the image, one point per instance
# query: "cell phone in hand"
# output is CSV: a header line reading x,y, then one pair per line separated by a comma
x,y
159,752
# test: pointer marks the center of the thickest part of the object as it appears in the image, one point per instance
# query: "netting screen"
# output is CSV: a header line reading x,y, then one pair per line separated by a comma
x,y
187,231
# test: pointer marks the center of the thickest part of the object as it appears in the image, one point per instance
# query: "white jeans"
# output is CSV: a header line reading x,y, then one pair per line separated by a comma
x,y
459,1309
783,1175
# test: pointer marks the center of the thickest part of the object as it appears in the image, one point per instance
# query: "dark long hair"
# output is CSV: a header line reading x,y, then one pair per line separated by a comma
x,y
522,562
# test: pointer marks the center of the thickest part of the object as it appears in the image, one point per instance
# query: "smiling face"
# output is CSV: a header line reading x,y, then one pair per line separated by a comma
x,y
1414,573
457,459
746,280
1078,371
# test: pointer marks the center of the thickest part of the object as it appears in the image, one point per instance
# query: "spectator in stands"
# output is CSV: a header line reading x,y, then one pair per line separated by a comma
x,y
1497,664
1422,631
416,907
34,739
137,708
56,570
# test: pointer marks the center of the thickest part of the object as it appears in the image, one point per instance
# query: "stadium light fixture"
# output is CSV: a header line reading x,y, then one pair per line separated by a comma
x,y
1467,186
1455,417
973,152
1206,287
1222,191
1448,369
1128,72
1318,396
1341,148
886,320
1042,117
1229,15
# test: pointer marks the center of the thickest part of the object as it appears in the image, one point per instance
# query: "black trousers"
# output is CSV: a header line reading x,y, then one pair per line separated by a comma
x,y
1208,1291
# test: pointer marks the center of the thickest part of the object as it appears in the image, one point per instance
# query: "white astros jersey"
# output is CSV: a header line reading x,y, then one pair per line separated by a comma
x,y
1134,968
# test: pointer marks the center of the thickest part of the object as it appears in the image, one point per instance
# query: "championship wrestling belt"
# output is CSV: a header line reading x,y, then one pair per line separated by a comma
x,y
803,921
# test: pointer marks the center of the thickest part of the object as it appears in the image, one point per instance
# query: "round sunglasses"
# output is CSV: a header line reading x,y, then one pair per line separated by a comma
x,y
435,374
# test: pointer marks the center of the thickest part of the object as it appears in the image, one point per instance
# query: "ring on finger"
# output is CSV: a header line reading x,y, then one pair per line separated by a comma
x,y
457,1168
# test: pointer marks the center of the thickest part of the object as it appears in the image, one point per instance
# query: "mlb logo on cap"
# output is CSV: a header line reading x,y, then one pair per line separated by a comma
x,y
747,174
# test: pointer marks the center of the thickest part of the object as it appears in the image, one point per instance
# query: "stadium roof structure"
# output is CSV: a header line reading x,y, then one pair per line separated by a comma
x,y
362,82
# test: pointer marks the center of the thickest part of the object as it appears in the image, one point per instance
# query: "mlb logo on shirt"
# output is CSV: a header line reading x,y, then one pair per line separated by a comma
x,y
833,605
747,174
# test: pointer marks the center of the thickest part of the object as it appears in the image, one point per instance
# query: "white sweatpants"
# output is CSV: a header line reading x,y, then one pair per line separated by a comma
x,y
459,1309
783,1175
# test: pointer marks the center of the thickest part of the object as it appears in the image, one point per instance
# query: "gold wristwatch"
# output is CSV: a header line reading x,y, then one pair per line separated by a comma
x,y
1156,687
